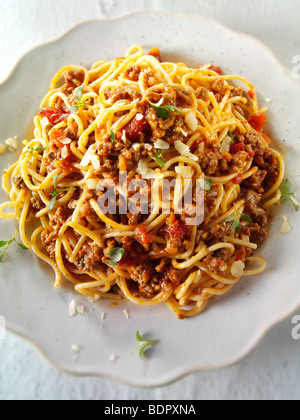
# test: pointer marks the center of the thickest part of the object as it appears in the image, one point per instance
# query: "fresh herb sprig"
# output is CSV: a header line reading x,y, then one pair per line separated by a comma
x,y
144,344
236,225
159,159
56,192
36,149
288,195
4,245
163,111
78,103
115,256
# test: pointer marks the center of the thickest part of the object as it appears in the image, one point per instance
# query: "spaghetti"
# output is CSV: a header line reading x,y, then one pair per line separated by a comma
x,y
157,122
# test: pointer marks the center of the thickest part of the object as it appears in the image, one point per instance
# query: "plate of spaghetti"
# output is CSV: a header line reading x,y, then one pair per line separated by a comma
x,y
150,194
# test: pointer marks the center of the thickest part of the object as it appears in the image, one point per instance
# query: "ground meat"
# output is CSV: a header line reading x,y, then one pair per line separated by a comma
x,y
217,261
258,229
125,92
215,234
18,181
73,79
49,237
150,282
133,73
89,258
255,182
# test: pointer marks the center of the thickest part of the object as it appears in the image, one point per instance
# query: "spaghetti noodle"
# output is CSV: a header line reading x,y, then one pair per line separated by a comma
x,y
157,122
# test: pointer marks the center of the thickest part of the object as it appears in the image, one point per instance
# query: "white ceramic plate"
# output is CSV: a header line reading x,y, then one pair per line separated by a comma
x,y
232,325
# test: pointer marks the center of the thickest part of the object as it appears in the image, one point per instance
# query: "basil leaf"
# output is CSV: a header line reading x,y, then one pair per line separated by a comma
x,y
112,136
230,219
116,255
74,109
79,92
207,184
162,113
236,226
55,178
52,204
22,246
246,218
2,255
159,159
40,149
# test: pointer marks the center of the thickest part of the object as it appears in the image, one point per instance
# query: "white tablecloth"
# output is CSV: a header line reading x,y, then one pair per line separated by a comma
x,y
272,371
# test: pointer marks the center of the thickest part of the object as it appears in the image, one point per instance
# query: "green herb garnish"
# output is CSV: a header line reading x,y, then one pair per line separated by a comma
x,y
78,103
115,256
4,245
56,192
163,111
36,149
144,344
159,159
236,225
231,135
288,195
112,136
206,184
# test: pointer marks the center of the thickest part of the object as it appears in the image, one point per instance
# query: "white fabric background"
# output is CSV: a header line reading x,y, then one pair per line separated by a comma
x,y
272,371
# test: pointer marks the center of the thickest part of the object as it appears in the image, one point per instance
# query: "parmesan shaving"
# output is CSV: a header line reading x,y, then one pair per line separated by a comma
x,y
225,147
144,170
237,269
64,152
185,171
285,228
72,309
161,144
184,150
95,162
92,183
139,117
12,144
191,121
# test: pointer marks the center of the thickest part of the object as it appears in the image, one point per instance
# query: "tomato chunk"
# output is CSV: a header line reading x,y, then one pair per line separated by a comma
x,y
155,52
176,229
237,147
144,237
258,121
238,179
216,69
54,115
134,128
